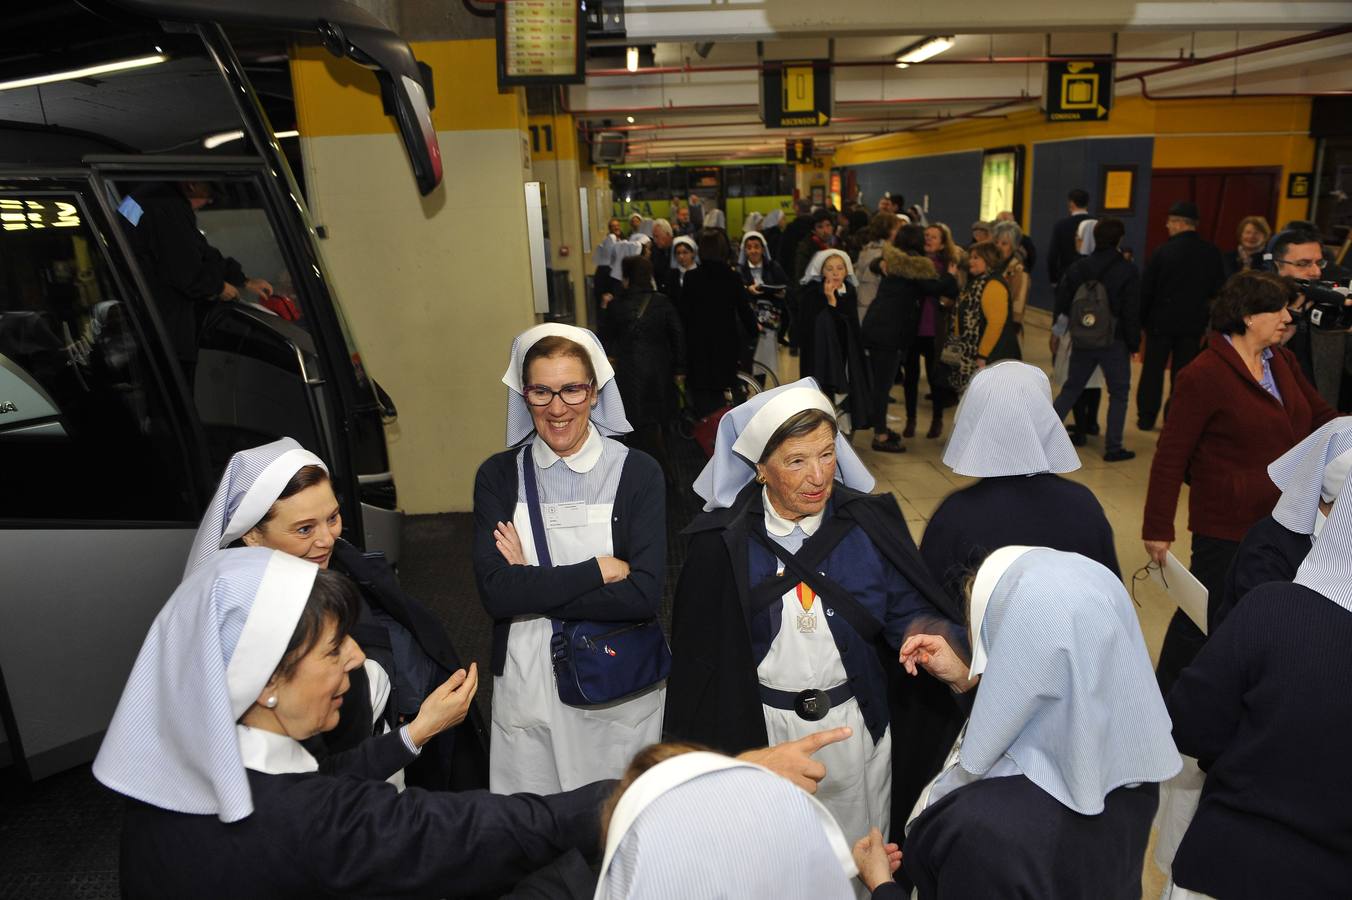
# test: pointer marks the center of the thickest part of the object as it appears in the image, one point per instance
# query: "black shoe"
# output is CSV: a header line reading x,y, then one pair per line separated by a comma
x,y
1145,424
1077,439
889,443
1119,455
1092,429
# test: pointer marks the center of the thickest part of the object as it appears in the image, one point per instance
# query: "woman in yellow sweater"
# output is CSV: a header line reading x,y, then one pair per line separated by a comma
x,y
983,328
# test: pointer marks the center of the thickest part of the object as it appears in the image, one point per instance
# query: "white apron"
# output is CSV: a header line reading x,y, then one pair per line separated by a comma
x,y
858,785
1179,797
541,745
1061,368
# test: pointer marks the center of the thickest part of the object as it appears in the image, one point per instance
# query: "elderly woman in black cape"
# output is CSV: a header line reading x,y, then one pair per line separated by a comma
x,y
766,646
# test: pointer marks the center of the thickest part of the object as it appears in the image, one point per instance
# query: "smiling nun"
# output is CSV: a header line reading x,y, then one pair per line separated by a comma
x,y
797,591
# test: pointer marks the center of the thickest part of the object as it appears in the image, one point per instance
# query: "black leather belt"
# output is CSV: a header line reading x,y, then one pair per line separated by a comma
x,y
812,704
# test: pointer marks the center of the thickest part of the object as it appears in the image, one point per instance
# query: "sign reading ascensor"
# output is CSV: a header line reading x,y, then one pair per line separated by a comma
x,y
796,94
1079,90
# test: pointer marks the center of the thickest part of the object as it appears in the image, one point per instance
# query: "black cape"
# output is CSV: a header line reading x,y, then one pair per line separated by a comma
x,y
713,695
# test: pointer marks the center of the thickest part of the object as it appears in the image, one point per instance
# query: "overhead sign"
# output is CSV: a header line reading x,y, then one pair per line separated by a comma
x,y
540,42
797,94
799,151
1079,90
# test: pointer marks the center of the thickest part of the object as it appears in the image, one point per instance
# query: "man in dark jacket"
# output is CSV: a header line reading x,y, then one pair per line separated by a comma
x,y
1061,252
1119,278
1176,291
793,235
821,237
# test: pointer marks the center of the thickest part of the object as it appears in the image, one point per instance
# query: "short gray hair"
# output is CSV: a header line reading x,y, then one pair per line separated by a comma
x,y
1010,230
662,224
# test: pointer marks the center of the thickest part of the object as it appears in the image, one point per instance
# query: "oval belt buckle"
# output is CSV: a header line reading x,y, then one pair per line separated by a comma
x,y
812,705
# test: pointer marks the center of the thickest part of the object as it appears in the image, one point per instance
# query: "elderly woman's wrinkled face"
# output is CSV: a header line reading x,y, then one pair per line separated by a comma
x,y
755,252
309,701
1005,246
934,240
615,228
799,473
1267,329
833,270
685,257
561,425
306,524
1252,237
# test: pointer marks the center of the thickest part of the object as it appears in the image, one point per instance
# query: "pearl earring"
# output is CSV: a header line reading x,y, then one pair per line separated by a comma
x,y
270,703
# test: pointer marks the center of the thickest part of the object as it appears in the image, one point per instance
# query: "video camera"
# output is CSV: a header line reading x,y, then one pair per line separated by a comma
x,y
1325,304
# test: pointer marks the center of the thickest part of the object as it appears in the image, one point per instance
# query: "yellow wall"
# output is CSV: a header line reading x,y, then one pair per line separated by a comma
x,y
1251,132
434,287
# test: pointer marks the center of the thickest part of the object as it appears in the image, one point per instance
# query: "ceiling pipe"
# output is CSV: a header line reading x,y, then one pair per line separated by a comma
x,y
1268,95
1195,61
743,107
776,65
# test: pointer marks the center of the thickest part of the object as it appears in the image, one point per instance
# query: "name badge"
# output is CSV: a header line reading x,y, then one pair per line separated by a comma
x,y
565,515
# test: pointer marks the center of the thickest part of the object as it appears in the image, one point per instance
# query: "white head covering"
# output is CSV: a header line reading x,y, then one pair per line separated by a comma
x,y
1313,470
905,219
1328,568
1085,233
622,251
1068,694
608,413
252,482
813,272
211,650
741,256
752,222
714,218
744,431
640,239
772,218
605,251
689,242
1006,426
757,836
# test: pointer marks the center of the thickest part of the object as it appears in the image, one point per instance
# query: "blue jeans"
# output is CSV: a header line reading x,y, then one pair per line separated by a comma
x,y
1116,364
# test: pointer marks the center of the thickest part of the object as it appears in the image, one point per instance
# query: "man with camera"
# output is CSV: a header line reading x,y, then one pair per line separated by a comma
x,y
1322,313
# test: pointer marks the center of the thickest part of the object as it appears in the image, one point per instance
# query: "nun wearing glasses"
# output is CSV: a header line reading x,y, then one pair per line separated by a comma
x,y
570,527
1008,435
280,496
797,591
1051,787
1266,708
1310,476
251,656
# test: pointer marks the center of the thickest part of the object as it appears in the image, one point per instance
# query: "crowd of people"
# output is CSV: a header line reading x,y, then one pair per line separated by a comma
x,y
837,710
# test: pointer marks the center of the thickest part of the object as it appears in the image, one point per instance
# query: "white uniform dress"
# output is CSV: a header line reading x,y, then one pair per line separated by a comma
x,y
541,745
858,785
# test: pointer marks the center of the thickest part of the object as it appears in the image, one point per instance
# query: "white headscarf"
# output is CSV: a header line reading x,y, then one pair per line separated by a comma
x,y
752,222
252,482
813,272
772,218
1006,426
605,251
211,650
757,836
1068,695
1313,470
689,242
714,218
1085,232
607,415
1328,568
765,248
641,239
744,431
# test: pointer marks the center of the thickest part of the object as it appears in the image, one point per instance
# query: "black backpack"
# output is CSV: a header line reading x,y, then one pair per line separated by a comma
x,y
1092,323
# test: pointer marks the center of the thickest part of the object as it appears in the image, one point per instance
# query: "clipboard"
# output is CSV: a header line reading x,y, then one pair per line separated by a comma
x,y
1183,588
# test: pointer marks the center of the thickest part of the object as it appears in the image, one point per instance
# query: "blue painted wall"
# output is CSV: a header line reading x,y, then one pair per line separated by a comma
x,y
1060,166
952,181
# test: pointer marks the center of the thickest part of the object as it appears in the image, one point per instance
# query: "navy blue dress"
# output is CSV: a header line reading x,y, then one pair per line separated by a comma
x,y
1269,552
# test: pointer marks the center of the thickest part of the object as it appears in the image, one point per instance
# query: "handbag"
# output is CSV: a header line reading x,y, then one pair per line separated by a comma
x,y
596,662
952,355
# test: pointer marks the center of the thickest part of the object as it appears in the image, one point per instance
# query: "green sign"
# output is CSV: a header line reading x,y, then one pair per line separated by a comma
x,y
1079,90
796,95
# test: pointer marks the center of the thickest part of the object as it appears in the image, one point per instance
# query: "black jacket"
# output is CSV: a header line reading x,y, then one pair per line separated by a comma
x,y
1123,283
1062,251
832,351
643,335
894,315
638,531
718,323
1179,283
713,694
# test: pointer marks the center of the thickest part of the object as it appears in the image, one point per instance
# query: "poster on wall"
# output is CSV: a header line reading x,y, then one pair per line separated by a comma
x,y
1117,187
999,182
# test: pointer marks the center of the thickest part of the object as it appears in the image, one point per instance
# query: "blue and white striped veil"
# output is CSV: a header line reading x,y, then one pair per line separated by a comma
x,y
1006,425
1068,693
1328,568
1313,470
706,825
608,413
252,482
209,653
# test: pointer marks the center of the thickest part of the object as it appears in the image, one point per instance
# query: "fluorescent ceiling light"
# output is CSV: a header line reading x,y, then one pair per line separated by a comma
x,y
629,119
213,141
119,65
631,59
924,49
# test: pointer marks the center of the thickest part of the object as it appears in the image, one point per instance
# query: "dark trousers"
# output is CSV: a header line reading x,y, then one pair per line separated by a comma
x,y
1211,558
922,348
1084,414
882,366
1116,364
1159,348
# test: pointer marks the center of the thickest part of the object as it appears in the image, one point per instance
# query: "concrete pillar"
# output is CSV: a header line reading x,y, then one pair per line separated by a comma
x,y
554,160
434,288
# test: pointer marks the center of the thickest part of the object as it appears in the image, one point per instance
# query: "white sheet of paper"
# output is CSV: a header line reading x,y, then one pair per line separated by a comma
x,y
1183,588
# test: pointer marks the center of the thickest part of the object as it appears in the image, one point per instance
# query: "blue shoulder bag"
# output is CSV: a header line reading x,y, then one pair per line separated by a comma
x,y
596,662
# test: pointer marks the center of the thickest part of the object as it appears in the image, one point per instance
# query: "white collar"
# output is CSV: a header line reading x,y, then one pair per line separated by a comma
x,y
581,462
272,754
782,527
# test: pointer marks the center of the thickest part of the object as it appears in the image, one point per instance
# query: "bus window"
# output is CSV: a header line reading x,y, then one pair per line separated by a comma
x,y
84,433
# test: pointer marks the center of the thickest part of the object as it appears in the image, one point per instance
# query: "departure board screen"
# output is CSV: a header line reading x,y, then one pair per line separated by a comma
x,y
541,42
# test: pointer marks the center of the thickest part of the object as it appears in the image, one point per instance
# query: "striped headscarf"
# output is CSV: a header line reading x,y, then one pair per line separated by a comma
x,y
252,482
1313,470
608,414
1328,568
1006,426
209,653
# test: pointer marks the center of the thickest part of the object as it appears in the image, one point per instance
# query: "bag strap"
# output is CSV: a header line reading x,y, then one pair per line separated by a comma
x,y
537,521
861,620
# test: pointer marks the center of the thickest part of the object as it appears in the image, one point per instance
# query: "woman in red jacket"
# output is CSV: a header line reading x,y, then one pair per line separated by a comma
x,y
1236,407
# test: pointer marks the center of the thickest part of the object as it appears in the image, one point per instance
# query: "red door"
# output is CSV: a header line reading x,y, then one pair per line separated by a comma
x,y
1223,197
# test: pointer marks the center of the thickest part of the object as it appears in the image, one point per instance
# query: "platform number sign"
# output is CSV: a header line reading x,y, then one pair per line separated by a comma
x,y
798,151
1079,90
796,94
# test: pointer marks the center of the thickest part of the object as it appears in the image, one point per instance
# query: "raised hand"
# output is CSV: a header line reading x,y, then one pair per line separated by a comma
x,y
933,653
446,707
